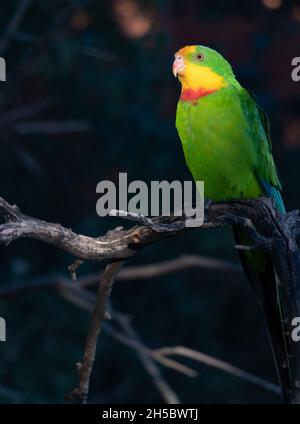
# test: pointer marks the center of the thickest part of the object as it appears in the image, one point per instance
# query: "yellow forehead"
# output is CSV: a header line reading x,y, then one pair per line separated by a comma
x,y
186,50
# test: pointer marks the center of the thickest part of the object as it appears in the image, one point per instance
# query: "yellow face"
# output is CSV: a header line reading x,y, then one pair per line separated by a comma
x,y
191,75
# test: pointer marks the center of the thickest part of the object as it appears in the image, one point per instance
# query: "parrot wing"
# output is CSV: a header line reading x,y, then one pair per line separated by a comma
x,y
265,171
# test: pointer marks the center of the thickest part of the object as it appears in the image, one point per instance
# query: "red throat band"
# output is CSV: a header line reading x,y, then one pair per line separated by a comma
x,y
190,95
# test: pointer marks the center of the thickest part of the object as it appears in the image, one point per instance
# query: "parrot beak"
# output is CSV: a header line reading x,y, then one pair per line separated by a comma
x,y
178,65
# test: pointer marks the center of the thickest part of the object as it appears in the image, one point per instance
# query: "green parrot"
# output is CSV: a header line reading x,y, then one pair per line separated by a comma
x,y
226,142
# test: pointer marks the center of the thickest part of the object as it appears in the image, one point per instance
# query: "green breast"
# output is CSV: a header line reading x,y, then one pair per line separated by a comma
x,y
216,139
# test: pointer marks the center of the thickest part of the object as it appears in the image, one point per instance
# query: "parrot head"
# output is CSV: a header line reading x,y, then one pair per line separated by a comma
x,y
201,71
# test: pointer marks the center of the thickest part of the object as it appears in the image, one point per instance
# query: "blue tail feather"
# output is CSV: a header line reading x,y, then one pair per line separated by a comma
x,y
275,194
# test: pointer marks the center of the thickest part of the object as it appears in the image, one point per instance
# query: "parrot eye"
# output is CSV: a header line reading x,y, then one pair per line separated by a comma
x,y
199,57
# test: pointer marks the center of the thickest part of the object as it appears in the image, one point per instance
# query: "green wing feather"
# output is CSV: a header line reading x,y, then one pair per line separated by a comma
x,y
266,170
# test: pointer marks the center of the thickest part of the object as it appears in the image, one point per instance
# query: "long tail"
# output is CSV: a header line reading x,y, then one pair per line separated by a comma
x,y
260,272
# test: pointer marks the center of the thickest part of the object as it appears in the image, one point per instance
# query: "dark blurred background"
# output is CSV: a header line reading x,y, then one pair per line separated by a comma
x,y
89,94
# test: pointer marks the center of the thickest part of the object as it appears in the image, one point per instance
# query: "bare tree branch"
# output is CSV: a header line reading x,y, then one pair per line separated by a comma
x,y
84,299
178,264
51,127
140,272
13,24
99,314
221,365
122,244
167,393
28,110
